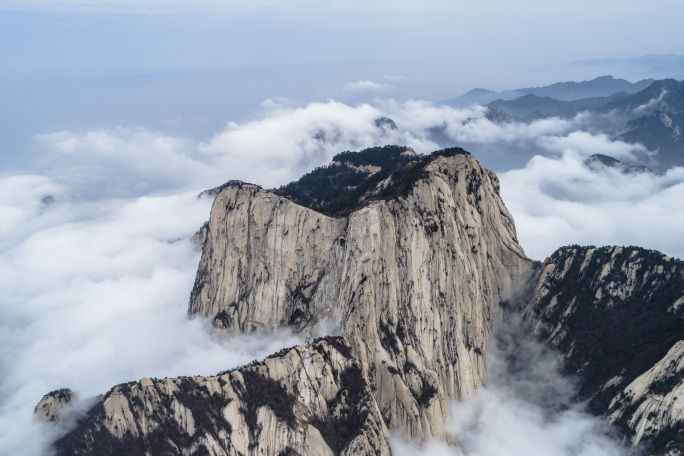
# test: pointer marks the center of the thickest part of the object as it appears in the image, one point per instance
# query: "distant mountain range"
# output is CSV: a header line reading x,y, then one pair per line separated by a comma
x,y
602,86
648,112
655,66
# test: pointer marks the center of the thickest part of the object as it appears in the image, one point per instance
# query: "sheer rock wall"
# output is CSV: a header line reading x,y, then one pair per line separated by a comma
x,y
411,282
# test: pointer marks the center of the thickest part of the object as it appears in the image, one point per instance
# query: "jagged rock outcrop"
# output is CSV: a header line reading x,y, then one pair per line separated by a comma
x,y
411,279
301,401
616,317
51,407
386,123
498,117
600,161
652,406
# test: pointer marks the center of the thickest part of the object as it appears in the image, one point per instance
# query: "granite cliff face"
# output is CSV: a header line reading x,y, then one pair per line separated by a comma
x,y
615,315
302,401
411,281
407,258
407,266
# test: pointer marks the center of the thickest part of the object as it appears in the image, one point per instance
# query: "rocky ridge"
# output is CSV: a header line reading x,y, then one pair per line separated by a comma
x,y
411,281
652,406
601,86
616,318
650,116
305,401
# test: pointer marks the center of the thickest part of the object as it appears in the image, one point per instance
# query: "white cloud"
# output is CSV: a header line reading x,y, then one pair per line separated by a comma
x,y
364,86
560,201
95,298
275,103
397,78
553,200
401,78
418,116
279,148
481,130
586,144
401,447
270,151
650,105
24,200
526,408
119,162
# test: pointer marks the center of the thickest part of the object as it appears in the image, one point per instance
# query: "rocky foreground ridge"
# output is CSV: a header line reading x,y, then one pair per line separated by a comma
x,y
310,400
407,257
616,317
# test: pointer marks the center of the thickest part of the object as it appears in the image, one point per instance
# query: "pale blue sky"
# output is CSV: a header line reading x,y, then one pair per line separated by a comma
x,y
190,67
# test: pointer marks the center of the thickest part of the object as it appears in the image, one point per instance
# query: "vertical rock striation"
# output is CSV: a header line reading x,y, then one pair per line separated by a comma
x,y
302,401
616,317
411,280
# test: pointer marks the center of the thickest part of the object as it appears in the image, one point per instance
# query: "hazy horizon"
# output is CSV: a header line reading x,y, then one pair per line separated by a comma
x,y
189,70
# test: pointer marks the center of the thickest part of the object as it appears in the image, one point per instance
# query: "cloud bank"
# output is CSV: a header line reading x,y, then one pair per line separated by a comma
x,y
561,201
95,294
554,198
96,264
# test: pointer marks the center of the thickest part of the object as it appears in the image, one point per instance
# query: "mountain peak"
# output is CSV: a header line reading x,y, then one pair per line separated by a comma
x,y
354,178
431,246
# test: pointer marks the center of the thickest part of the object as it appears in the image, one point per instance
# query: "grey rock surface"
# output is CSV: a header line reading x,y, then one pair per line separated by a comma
x,y
616,317
411,282
303,401
51,407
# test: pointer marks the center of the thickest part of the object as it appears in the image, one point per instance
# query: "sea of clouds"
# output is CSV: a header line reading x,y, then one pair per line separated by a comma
x,y
97,261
